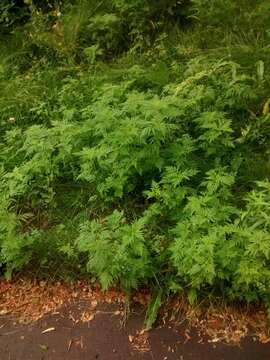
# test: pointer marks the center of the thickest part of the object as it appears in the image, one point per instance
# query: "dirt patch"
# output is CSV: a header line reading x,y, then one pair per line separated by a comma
x,y
56,321
62,335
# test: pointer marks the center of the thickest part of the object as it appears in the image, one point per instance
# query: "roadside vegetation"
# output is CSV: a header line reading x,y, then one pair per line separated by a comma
x,y
134,144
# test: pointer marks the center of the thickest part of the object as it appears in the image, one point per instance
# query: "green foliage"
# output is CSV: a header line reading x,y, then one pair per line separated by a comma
x,y
117,251
15,247
134,145
153,309
11,14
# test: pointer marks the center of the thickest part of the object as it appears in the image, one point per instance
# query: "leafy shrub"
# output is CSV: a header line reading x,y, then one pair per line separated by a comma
x,y
139,172
15,247
117,251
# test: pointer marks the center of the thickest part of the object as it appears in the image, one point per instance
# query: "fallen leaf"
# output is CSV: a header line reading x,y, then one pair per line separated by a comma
x,y
48,330
44,347
94,303
130,338
86,317
3,312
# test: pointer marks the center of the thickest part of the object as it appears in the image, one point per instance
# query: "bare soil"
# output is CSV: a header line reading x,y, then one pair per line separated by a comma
x,y
43,321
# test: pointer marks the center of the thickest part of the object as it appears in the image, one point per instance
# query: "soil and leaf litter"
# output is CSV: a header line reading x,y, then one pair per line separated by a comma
x,y
60,321
134,147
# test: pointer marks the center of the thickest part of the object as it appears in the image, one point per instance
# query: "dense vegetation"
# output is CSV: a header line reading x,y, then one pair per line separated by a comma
x,y
134,143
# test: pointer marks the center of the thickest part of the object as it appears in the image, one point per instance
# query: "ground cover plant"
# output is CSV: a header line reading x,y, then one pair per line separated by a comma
x,y
134,145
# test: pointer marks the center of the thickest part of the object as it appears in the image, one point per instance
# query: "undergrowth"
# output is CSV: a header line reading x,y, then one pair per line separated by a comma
x,y
134,144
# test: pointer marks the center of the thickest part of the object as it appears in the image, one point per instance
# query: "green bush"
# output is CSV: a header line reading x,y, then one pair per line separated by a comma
x,y
135,146
117,251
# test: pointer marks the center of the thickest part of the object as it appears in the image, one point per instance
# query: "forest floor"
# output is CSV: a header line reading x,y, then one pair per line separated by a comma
x,y
44,321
